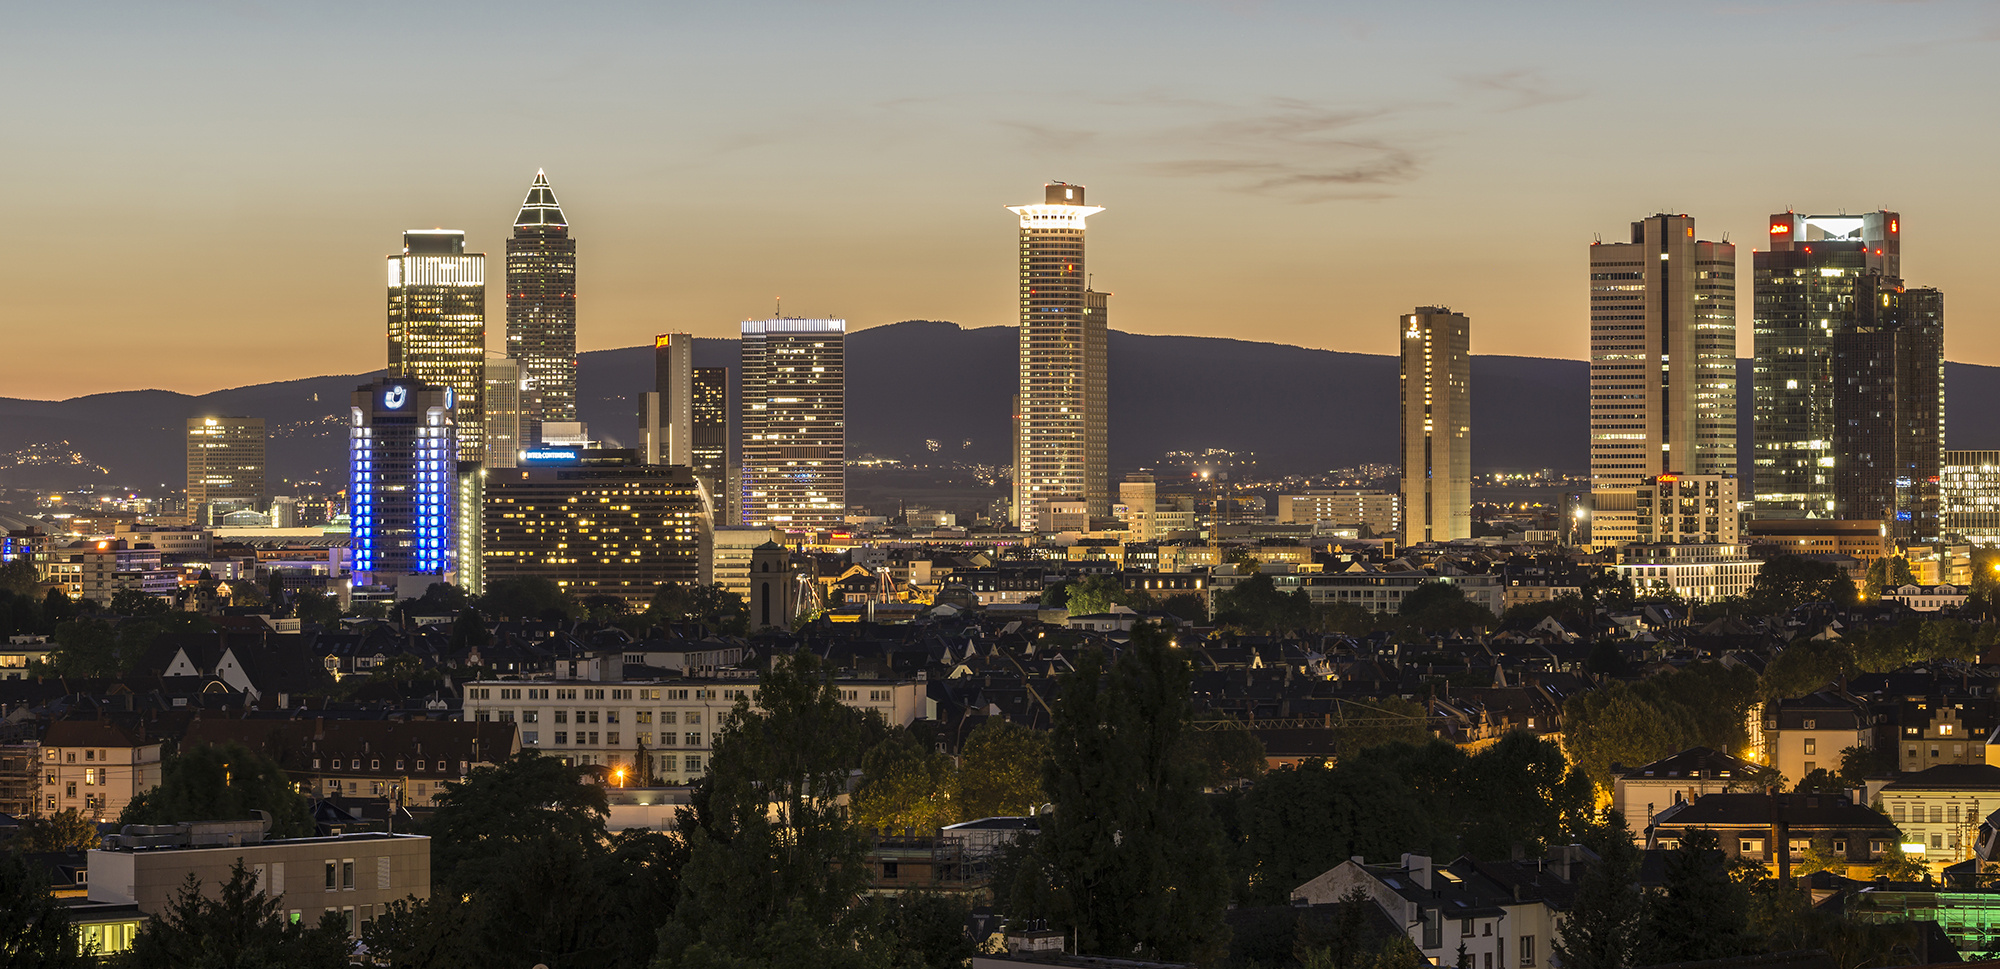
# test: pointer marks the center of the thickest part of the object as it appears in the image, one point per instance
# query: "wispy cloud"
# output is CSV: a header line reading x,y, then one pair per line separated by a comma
x,y
1517,89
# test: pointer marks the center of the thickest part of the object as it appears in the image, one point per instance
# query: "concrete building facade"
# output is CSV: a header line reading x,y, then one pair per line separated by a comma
x,y
1436,410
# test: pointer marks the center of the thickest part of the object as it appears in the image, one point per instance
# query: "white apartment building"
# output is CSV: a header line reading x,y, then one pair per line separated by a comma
x,y
95,767
1941,808
1689,509
1697,573
586,720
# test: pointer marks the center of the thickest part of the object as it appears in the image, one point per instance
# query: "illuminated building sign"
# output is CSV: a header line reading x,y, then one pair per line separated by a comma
x,y
395,397
548,456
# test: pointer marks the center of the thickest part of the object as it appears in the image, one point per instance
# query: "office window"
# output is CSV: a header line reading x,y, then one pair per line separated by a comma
x,y
332,875
382,873
1812,745
347,873
693,739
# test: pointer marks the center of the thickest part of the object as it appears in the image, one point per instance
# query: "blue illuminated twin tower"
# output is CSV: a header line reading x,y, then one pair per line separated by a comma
x,y
403,460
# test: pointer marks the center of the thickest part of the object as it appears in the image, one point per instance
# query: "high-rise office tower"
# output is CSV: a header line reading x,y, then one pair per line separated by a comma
x,y
541,306
1849,395
402,479
503,410
713,453
667,424
225,466
437,325
1436,386
1662,366
1888,411
795,423
1059,411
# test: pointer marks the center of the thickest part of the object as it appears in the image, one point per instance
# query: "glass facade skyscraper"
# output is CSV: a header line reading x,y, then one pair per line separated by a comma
x,y
541,307
1849,380
437,325
225,466
1060,430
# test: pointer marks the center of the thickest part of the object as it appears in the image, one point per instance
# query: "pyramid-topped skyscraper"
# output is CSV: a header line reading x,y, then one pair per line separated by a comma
x,y
541,309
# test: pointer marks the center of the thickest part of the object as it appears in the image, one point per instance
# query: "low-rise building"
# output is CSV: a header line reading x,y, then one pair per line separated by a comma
x,y
1381,590
1380,511
390,759
354,875
96,767
1809,733
1941,808
1928,598
1644,791
592,716
1747,824
1501,914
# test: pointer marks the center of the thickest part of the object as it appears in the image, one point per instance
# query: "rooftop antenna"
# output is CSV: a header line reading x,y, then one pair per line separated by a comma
x,y
781,306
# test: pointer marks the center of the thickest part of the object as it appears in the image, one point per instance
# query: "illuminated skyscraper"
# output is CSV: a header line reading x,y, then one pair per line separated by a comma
x,y
1436,385
225,466
503,410
1059,411
795,423
1662,366
596,522
1849,379
541,306
402,479
437,325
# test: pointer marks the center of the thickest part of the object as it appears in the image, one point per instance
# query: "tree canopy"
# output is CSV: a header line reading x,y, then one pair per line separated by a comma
x,y
227,782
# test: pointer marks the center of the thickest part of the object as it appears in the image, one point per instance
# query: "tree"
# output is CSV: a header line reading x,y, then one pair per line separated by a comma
x,y
57,606
316,608
1857,764
530,597
1602,925
434,933
1256,604
482,820
1130,822
1785,582
1000,770
35,930
1820,781
1442,605
240,927
1191,606
229,782
469,631
1525,794
773,869
1224,755
87,647
65,830
711,605
1821,856
20,577
137,604
1697,892
906,786
1097,594
1896,866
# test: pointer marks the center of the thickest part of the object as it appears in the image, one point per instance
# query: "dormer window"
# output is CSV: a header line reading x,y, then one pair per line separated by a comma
x,y
1812,724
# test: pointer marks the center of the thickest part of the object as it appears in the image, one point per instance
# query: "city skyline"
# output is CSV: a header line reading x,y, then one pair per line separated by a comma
x,y
1290,167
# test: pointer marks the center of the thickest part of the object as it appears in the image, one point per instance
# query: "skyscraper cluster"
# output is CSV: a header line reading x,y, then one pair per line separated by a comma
x,y
1847,381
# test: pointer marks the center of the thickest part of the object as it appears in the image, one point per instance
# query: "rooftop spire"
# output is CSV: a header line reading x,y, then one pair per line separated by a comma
x,y
540,207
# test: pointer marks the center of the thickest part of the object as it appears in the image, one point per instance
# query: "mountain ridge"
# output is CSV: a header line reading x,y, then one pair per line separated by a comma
x,y
920,381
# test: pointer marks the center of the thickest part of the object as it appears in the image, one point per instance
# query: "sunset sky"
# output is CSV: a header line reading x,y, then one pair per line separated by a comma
x,y
202,194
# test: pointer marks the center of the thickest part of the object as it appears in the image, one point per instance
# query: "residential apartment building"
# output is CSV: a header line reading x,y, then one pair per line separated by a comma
x,y
1500,915
1378,590
1745,824
1644,791
101,568
1689,509
590,715
1697,573
1662,366
1808,733
96,767
408,760
355,876
1941,808
1864,541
